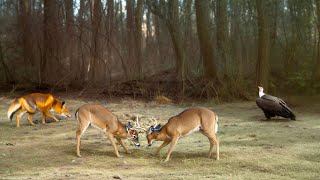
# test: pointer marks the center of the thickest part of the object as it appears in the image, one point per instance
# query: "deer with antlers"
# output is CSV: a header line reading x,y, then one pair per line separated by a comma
x,y
101,118
184,124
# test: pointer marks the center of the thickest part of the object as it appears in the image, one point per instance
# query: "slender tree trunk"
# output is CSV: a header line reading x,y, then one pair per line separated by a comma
x,y
51,67
82,67
96,71
158,33
274,23
316,74
110,28
69,43
138,37
8,76
236,38
24,22
148,28
176,36
263,45
132,58
205,39
222,35
188,35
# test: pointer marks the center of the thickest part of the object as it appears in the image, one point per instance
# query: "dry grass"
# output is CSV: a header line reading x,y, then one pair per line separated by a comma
x,y
251,148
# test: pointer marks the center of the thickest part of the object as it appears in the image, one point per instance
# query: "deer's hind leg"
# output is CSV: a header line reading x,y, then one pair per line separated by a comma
x,y
213,141
82,128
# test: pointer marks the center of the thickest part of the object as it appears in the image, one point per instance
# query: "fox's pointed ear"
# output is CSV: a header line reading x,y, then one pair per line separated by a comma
x,y
63,104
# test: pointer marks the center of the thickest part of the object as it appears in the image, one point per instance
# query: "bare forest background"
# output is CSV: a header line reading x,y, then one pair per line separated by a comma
x,y
179,48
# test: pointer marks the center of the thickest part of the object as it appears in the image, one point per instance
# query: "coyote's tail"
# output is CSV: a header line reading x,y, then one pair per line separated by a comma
x,y
14,107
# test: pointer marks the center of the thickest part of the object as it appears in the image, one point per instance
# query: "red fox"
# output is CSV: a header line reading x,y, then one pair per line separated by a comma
x,y
37,101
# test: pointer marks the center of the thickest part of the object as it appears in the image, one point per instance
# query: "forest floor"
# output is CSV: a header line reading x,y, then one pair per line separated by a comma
x,y
250,146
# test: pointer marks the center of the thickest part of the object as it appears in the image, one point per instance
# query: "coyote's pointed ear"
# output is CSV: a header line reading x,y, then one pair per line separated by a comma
x,y
63,104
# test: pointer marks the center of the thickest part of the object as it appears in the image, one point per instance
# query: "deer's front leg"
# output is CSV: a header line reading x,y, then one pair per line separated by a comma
x,y
173,143
164,144
111,138
124,147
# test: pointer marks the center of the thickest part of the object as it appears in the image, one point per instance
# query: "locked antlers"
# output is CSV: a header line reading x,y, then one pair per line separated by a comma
x,y
142,123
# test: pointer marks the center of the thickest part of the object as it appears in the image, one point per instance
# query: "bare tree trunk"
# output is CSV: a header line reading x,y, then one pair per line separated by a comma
x,y
204,35
69,43
24,22
222,35
8,76
96,71
316,74
138,38
148,28
188,35
158,35
274,24
110,33
50,67
132,58
176,36
236,38
82,67
263,45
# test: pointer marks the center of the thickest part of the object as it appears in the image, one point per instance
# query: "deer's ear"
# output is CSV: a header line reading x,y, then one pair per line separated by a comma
x,y
158,127
129,124
151,129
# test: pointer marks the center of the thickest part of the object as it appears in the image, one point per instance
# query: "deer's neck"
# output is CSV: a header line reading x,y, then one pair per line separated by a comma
x,y
122,132
163,135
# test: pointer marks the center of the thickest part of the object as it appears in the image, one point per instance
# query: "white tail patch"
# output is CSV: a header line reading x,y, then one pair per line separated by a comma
x,y
77,116
216,126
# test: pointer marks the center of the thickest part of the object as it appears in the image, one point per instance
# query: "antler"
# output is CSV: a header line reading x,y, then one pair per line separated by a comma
x,y
140,122
137,125
143,125
155,120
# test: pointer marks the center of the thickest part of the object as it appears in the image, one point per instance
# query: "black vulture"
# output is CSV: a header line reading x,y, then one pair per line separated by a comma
x,y
273,106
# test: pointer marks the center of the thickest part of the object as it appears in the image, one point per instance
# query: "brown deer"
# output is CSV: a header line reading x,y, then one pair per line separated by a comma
x,y
101,118
184,124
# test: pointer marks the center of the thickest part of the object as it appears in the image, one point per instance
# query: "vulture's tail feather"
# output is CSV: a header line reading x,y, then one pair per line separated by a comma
x,y
288,112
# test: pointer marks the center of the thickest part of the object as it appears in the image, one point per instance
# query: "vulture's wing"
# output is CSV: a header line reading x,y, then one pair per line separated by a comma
x,y
268,103
277,106
287,110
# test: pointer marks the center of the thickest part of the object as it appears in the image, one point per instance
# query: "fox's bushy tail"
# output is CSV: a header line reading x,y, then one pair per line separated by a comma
x,y
14,107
